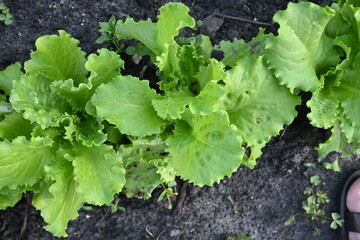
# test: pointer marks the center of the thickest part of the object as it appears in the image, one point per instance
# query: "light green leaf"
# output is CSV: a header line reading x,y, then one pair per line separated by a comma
x,y
337,26
99,172
324,110
334,166
89,131
156,36
324,104
126,102
350,130
190,61
350,12
290,220
84,128
141,180
22,162
9,198
256,104
150,150
14,125
301,51
59,202
175,104
11,73
315,180
336,143
76,97
159,37
164,168
32,94
349,95
103,67
213,71
58,57
143,149
206,149
255,153
233,51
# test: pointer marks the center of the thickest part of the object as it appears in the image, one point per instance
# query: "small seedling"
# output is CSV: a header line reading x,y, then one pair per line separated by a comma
x,y
312,207
5,15
242,237
168,192
107,30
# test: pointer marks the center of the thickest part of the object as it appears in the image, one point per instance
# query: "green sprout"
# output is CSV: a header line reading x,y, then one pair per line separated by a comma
x,y
242,237
312,207
107,30
5,15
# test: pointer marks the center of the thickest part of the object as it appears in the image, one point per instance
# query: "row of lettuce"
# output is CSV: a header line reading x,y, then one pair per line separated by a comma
x,y
75,130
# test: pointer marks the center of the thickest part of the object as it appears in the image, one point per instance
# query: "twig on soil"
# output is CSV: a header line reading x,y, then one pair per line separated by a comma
x,y
283,132
142,72
181,199
3,226
233,203
148,232
162,232
24,225
219,14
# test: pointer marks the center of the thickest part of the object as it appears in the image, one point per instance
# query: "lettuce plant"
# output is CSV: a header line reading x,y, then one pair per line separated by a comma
x,y
75,129
317,50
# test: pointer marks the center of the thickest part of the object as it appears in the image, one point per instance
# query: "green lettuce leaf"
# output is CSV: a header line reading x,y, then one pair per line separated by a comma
x,y
103,67
126,102
14,125
58,57
349,95
22,162
337,26
152,151
159,37
9,198
324,103
350,12
337,142
99,172
141,180
175,104
60,200
255,102
206,148
301,51
89,131
11,73
238,49
213,71
32,94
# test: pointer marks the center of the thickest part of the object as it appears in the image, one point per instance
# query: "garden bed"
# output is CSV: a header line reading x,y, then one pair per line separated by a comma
x,y
252,202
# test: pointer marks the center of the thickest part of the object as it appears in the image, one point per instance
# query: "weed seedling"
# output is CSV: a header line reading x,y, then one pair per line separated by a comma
x,y
312,206
5,15
242,237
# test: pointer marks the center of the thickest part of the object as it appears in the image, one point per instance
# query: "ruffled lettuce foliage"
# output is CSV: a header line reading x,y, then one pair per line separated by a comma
x,y
50,144
75,130
317,50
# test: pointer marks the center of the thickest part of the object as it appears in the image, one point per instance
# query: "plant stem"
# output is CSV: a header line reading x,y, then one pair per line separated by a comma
x,y
219,14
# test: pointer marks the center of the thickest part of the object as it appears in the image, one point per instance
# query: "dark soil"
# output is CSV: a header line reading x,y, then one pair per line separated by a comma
x,y
252,202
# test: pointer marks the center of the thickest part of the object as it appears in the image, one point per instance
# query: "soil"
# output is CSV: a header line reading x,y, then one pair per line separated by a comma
x,y
252,202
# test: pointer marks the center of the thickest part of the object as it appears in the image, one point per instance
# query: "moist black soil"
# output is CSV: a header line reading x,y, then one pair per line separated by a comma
x,y
252,202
